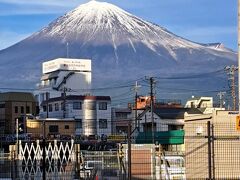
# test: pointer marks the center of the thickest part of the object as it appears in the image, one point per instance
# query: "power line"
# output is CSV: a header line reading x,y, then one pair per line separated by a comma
x,y
193,76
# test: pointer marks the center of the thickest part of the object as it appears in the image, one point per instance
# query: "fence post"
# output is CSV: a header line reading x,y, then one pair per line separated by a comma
x,y
213,154
77,169
129,152
43,159
209,151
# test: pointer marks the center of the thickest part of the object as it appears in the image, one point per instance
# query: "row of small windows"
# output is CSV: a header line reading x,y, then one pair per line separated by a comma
x,y
76,106
21,109
102,124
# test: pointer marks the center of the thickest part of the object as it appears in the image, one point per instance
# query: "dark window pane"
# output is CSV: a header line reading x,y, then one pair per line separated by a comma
x,y
16,109
2,105
27,109
44,108
50,108
77,105
102,123
53,129
102,105
22,109
56,106
78,123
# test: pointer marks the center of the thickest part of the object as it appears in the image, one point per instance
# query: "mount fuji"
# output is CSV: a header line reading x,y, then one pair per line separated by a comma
x,y
120,45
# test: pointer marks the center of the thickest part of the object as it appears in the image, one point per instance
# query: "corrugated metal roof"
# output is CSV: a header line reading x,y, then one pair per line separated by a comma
x,y
17,97
170,113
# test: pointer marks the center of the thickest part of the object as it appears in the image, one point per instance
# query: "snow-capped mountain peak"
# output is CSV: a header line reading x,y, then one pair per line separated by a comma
x,y
101,22
120,45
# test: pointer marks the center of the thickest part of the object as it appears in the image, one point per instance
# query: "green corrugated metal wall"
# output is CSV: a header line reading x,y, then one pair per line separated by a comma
x,y
164,137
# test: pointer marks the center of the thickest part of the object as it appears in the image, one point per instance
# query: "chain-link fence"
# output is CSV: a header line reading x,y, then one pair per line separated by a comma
x,y
203,150
212,150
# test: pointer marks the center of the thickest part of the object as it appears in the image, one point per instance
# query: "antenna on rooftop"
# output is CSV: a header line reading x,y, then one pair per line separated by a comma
x,y
67,49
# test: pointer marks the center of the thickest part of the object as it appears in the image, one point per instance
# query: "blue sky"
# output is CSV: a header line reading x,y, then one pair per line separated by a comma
x,y
202,21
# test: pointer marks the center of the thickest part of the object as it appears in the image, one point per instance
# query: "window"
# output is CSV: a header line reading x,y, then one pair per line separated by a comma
x,y
102,105
41,97
56,105
27,109
53,129
121,115
62,106
16,109
66,127
91,105
2,105
44,108
50,108
2,124
37,110
192,104
22,109
77,105
78,123
102,123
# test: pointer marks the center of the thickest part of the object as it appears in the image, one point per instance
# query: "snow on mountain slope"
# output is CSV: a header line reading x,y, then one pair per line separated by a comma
x,y
120,45
86,22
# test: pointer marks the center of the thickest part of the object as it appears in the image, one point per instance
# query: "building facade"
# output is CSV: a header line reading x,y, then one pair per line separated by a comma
x,y
92,114
211,141
64,75
54,128
15,105
120,119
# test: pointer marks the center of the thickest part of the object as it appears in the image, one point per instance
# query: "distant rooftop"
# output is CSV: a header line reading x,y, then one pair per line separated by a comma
x,y
17,96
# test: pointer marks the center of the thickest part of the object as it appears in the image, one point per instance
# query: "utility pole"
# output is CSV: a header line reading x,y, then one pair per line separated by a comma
x,y
129,151
152,82
221,101
231,73
136,88
44,139
47,98
64,101
238,56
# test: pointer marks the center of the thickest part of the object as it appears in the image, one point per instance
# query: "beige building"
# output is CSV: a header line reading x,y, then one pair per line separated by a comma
x,y
53,128
15,105
223,152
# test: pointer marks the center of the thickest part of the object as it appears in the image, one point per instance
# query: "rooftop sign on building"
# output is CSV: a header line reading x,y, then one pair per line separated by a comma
x,y
66,64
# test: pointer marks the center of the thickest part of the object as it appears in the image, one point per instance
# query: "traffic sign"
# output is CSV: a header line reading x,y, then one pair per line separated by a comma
x,y
238,122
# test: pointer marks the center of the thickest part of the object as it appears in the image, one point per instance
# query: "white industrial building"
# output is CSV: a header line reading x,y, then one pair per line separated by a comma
x,y
64,94
91,113
72,76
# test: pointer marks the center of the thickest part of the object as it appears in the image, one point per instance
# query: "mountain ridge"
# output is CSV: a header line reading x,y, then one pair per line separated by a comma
x,y
120,45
